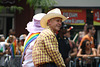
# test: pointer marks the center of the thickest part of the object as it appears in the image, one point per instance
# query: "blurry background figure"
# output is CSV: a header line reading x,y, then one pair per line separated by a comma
x,y
18,48
11,32
2,38
87,53
11,39
89,36
98,51
73,51
66,46
81,34
3,51
21,42
2,45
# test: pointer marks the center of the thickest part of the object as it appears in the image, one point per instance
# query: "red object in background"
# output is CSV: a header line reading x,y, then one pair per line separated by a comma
x,y
71,27
75,15
96,14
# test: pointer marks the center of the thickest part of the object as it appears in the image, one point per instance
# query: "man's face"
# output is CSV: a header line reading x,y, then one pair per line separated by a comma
x,y
93,31
85,27
55,24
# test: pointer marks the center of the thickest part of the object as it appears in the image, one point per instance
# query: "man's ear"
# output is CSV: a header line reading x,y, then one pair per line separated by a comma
x,y
49,22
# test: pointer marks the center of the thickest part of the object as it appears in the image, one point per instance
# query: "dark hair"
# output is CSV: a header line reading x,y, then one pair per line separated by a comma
x,y
11,32
83,46
63,29
64,26
89,27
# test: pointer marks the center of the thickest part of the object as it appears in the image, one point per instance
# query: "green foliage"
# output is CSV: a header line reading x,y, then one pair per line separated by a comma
x,y
1,7
44,4
19,0
14,8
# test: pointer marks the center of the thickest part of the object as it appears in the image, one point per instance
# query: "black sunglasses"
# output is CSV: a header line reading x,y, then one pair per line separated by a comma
x,y
88,44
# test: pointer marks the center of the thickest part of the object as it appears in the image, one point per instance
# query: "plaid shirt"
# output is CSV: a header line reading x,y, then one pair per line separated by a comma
x,y
46,50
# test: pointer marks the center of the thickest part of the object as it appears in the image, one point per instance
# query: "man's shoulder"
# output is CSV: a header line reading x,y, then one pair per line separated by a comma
x,y
86,36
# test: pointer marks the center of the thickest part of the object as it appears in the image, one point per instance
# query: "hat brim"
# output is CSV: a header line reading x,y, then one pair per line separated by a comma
x,y
44,20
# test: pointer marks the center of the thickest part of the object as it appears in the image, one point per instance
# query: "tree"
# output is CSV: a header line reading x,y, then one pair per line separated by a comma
x,y
10,4
44,4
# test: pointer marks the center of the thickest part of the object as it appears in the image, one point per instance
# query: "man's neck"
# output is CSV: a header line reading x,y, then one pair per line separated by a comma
x,y
51,29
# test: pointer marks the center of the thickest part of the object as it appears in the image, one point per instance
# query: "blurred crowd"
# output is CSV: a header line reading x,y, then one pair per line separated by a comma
x,y
6,42
81,47
68,48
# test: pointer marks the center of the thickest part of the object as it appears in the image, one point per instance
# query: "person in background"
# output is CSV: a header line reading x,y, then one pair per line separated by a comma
x,y
73,49
2,38
81,34
21,43
98,51
18,48
64,47
86,51
89,36
2,45
45,50
10,41
34,28
3,50
11,32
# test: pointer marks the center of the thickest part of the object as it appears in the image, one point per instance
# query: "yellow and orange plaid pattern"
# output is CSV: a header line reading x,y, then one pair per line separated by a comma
x,y
46,49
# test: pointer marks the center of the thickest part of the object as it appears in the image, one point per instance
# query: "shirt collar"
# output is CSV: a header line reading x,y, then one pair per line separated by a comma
x,y
50,29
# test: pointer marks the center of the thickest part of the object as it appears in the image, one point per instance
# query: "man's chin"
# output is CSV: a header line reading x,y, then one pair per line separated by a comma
x,y
58,29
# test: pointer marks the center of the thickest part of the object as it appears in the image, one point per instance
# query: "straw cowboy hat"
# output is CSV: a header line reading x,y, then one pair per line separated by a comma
x,y
52,14
34,26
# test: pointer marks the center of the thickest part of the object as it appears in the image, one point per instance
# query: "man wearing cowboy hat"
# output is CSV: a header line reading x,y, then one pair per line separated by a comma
x,y
45,50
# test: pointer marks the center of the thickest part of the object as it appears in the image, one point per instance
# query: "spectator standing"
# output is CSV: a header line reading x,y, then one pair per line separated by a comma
x,y
98,51
91,31
11,32
81,34
63,43
73,51
86,52
3,51
21,42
